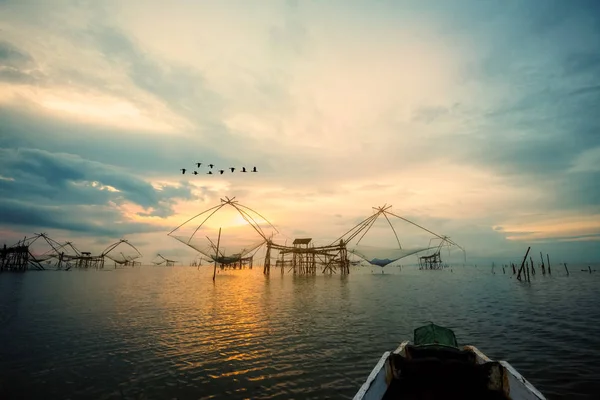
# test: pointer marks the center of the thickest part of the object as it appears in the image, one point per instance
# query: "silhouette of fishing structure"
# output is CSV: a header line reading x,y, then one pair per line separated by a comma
x,y
163,260
308,259
433,261
381,256
65,256
225,256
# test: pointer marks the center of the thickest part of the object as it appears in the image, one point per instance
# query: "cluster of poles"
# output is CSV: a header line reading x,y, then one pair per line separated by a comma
x,y
527,267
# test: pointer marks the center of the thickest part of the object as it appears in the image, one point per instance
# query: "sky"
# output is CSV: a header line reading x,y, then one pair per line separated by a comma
x,y
476,119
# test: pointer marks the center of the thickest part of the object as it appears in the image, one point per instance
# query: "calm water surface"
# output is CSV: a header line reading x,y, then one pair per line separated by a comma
x,y
163,333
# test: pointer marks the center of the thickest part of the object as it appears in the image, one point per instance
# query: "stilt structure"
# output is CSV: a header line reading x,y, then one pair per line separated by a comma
x,y
17,258
87,260
433,261
21,257
303,258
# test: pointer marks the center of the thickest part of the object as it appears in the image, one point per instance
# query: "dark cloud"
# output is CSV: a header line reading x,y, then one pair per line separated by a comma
x,y
11,56
581,63
587,90
66,183
150,154
98,221
17,66
15,76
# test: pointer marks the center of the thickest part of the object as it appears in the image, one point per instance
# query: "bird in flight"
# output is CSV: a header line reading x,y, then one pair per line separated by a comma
x,y
210,165
209,173
243,169
198,164
195,172
254,169
183,170
232,169
221,171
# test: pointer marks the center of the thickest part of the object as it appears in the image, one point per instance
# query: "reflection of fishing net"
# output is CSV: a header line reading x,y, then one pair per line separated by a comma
x,y
237,231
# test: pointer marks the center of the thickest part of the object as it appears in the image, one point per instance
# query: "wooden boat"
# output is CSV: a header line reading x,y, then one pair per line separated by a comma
x,y
435,367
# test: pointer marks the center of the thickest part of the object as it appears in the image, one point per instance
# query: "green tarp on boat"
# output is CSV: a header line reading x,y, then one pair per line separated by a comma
x,y
434,335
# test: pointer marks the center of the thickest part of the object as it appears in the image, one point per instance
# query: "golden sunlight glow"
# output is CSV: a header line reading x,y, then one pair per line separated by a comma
x,y
577,225
92,108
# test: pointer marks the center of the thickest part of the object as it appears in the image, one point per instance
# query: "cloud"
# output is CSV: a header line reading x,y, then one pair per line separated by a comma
x,y
89,220
11,56
17,66
65,184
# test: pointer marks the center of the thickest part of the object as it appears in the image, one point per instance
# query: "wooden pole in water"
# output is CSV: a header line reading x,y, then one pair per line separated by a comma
x,y
3,258
566,269
543,269
217,256
590,268
527,278
523,264
532,268
549,270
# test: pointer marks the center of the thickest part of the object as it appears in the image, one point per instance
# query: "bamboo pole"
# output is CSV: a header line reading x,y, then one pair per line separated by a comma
x,y
543,269
549,270
523,263
217,255
532,267
566,269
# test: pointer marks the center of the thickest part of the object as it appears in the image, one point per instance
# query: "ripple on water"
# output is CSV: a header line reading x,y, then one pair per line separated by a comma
x,y
170,333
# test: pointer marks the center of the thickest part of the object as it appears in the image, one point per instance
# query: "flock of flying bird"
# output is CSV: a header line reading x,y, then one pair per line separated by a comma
x,y
211,166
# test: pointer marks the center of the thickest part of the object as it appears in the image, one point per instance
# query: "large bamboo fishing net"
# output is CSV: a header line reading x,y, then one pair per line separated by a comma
x,y
390,238
236,230
122,252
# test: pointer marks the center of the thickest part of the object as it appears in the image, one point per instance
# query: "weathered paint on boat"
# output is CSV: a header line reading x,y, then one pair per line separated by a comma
x,y
513,385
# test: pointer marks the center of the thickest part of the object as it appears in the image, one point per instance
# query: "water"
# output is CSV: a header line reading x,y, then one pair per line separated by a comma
x,y
162,333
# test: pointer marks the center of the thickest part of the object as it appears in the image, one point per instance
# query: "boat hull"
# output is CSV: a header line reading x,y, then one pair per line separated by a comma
x,y
504,380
